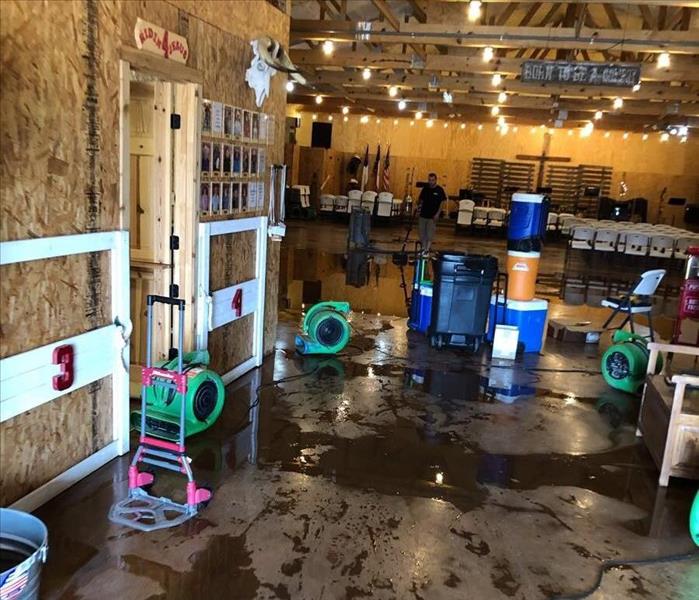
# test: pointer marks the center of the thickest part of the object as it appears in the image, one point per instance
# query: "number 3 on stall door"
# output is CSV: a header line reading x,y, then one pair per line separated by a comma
x,y
63,356
237,302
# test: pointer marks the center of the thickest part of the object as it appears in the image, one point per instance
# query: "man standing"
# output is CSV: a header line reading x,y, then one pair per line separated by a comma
x,y
431,198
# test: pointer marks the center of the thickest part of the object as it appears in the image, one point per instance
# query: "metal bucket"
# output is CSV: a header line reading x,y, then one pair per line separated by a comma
x,y
23,549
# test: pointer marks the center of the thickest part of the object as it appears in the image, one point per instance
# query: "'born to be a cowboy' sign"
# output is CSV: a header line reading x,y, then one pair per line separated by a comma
x,y
580,73
158,40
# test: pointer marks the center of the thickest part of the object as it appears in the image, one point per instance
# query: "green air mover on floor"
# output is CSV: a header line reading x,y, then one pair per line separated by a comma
x,y
694,520
625,362
204,399
325,329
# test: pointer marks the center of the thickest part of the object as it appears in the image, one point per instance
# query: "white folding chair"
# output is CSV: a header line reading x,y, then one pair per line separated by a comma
x,y
661,245
605,239
496,218
552,221
465,215
638,300
683,243
565,220
480,216
327,203
637,243
354,200
583,237
384,204
368,201
341,204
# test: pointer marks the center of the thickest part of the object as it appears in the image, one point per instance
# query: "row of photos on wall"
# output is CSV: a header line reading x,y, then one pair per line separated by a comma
x,y
233,158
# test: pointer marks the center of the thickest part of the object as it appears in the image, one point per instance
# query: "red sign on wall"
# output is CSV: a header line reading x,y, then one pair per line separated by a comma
x,y
154,38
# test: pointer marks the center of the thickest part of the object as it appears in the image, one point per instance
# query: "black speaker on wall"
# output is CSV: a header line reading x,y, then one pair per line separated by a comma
x,y
321,135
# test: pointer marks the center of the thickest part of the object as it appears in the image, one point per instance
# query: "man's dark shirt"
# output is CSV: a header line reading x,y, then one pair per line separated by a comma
x,y
431,199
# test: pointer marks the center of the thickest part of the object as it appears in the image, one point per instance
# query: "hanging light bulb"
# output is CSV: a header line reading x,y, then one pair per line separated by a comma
x,y
418,115
496,80
636,87
328,47
570,132
395,121
446,124
480,127
532,130
378,121
401,105
463,125
319,99
488,54
345,110
345,119
290,86
501,120
447,97
495,111
366,73
618,103
664,136
393,91
502,97
644,137
474,10
683,139
429,123
663,60
330,117
598,115
412,123
364,119
607,134
587,130
315,117
504,129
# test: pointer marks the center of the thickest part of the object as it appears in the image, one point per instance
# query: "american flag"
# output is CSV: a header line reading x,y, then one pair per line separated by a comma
x,y
377,172
14,583
386,173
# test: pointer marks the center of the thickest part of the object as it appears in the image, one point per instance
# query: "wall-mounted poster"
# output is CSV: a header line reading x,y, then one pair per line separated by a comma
x,y
206,117
205,158
238,123
243,196
260,194
228,121
235,197
253,161
246,160
237,162
252,195
204,198
225,197
215,197
255,135
247,124
216,118
227,159
216,159
261,161
264,119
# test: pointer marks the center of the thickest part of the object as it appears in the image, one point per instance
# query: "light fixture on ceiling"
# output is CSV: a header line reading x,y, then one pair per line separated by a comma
x,y
366,73
673,131
393,91
501,120
319,99
395,121
474,10
446,124
515,129
664,136
418,115
618,103
330,117
683,130
626,135
345,110
447,97
378,120
636,87
412,123
496,80
488,54
532,130
290,86
345,119
495,111
463,125
598,115
429,123
364,119
480,127
570,132
644,137
401,105
663,60
328,47
502,97
587,129
315,117
683,139
504,129
607,134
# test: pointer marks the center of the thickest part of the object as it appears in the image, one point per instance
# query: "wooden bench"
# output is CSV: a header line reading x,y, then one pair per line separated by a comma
x,y
669,417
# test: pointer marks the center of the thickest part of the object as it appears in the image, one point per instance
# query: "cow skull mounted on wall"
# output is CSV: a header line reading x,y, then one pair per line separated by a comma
x,y
268,58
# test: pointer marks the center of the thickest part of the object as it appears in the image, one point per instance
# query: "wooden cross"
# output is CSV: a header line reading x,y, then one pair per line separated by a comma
x,y
542,159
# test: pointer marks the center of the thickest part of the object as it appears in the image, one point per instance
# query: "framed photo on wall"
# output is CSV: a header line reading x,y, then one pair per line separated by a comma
x,y
205,158
226,198
228,121
253,161
235,197
264,119
215,197
204,198
260,195
246,161
237,161
206,117
243,196
227,160
237,123
261,161
252,195
255,135
247,125
216,118
216,159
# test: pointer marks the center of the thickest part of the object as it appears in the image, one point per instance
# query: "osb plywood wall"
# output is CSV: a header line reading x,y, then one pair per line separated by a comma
x,y
646,166
59,127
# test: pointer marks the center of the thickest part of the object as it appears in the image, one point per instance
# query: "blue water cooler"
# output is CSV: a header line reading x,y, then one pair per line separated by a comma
x,y
528,217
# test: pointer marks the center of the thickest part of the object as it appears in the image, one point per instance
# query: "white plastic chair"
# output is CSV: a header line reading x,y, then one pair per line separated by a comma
x,y
638,300
605,239
564,222
354,200
637,243
465,215
368,201
384,203
662,245
552,221
683,243
496,218
341,204
480,216
583,237
327,203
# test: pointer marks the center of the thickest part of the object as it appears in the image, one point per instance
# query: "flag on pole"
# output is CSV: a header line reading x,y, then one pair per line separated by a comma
x,y
365,168
377,172
386,174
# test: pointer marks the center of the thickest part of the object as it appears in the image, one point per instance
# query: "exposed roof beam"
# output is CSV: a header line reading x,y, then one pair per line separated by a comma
x,y
611,15
418,13
647,16
530,14
388,14
498,36
682,68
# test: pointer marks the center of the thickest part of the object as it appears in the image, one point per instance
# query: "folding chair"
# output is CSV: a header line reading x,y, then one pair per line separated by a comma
x,y
384,204
355,200
638,300
464,217
369,201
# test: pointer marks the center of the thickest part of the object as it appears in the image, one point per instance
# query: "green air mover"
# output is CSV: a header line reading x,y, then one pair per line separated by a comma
x,y
325,329
625,362
694,520
204,399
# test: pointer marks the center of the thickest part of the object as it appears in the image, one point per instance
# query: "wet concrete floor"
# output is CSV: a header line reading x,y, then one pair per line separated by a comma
x,y
396,471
